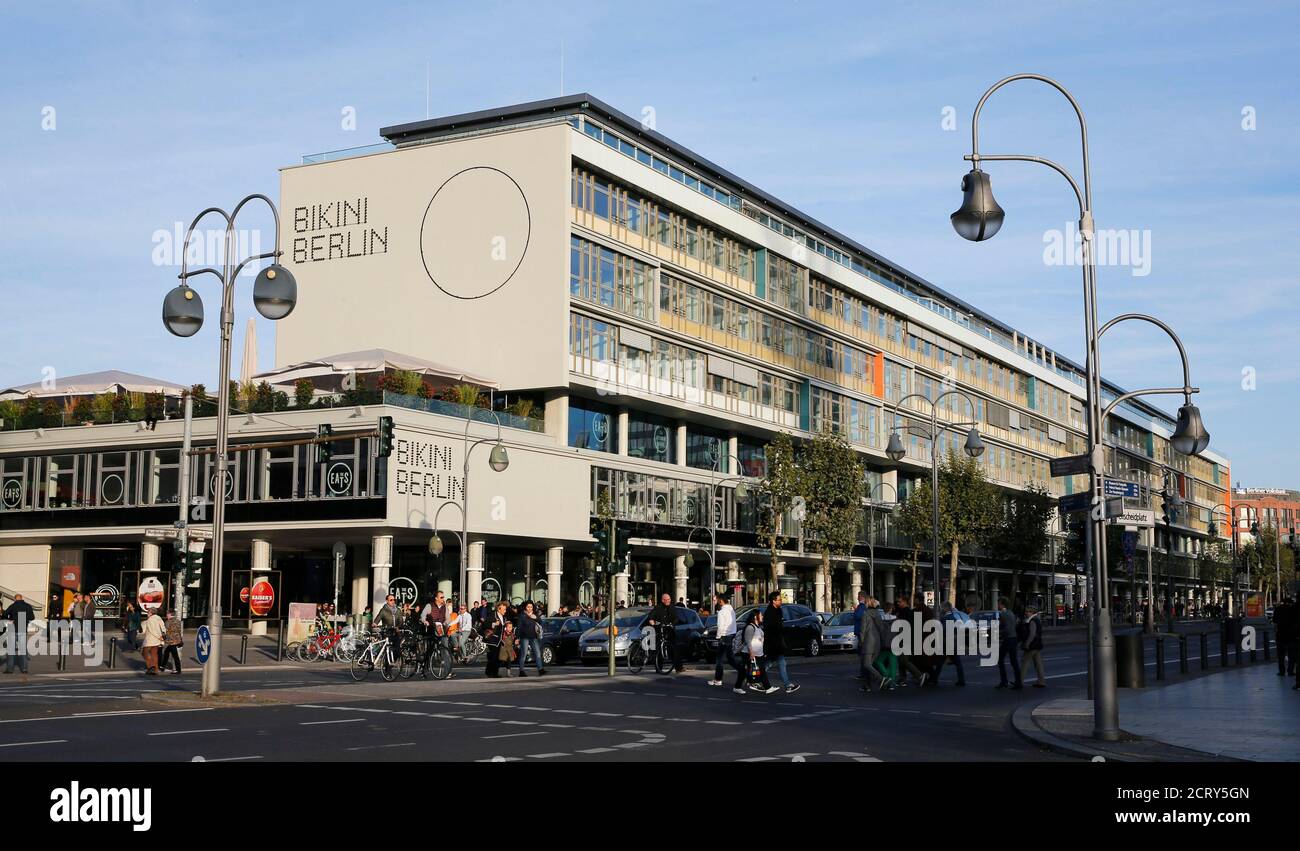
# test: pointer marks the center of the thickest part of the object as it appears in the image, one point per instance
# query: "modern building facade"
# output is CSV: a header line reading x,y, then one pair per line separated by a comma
x,y
656,319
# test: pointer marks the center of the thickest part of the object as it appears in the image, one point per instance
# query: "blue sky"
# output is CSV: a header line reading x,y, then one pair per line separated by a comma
x,y
160,110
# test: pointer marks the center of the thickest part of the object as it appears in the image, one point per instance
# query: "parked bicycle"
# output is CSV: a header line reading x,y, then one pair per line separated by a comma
x,y
380,651
656,643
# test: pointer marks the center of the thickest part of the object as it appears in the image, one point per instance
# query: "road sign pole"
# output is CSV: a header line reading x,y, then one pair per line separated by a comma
x,y
178,596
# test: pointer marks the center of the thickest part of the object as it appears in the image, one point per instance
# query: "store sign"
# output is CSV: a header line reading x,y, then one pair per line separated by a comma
x,y
11,493
661,440
243,595
600,428
336,229
106,597
150,594
405,590
427,469
111,489
338,479
261,598
230,484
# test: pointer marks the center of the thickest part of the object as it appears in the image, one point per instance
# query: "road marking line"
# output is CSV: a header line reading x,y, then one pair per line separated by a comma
x,y
124,712
516,735
597,750
727,723
598,729
559,726
232,758
758,759
569,711
644,717
545,755
608,714
24,744
375,747
188,732
340,721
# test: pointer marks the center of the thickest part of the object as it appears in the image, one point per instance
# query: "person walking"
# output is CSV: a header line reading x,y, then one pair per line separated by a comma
x,y
1007,639
906,666
859,613
1284,621
774,639
17,617
493,635
755,669
726,633
870,633
131,625
155,632
173,638
1033,644
529,631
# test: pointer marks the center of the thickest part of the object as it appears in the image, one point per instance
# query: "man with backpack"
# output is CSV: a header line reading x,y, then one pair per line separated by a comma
x,y
1032,642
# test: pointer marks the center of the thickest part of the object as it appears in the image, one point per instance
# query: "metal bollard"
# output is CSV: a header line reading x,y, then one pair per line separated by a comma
x,y
279,644
1236,651
112,653
1268,654
1182,653
1160,657
63,656
1205,651
243,649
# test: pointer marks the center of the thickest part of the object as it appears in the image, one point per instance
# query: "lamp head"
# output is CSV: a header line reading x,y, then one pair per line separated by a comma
x,y
499,459
742,492
689,560
275,292
182,311
895,449
979,217
1190,436
435,545
974,446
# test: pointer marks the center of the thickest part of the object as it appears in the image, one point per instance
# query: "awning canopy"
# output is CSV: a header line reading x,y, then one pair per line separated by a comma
x,y
327,372
93,383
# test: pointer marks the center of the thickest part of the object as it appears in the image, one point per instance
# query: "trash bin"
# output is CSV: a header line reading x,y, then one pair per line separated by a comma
x,y
1130,667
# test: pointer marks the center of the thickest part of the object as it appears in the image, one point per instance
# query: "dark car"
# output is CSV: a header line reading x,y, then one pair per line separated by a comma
x,y
802,627
560,639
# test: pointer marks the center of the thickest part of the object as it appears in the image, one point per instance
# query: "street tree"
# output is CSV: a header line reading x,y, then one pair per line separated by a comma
x,y
1020,533
832,486
968,512
775,495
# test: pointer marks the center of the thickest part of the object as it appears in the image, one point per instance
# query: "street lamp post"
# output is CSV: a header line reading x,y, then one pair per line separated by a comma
x,y
871,532
275,294
978,219
974,447
742,494
1213,532
498,460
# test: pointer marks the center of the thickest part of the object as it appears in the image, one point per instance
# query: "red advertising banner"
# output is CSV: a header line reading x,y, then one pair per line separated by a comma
x,y
261,598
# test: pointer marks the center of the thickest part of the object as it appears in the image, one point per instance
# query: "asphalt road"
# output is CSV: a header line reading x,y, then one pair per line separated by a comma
x,y
316,712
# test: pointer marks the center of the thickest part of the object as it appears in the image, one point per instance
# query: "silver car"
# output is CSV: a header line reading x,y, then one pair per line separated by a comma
x,y
593,646
838,633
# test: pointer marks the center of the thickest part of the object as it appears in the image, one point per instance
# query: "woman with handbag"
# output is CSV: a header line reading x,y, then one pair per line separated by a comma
x,y
493,632
753,667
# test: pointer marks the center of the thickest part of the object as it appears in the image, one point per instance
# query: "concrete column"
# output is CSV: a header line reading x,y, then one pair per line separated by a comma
x,y
622,431
554,575
888,586
360,593
620,588
681,444
557,417
680,575
820,591
855,585
259,559
474,572
733,571
733,451
381,564
889,477
150,556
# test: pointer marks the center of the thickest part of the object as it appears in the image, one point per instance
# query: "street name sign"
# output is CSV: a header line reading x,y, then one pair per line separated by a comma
x,y
1143,517
1069,465
1115,487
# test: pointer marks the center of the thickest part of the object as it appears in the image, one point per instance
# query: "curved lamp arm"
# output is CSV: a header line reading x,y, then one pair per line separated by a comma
x,y
871,497
275,219
185,245
1085,198
689,546
933,408
1186,390
438,513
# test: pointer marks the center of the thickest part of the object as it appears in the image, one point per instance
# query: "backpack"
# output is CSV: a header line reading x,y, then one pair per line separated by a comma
x,y
1022,630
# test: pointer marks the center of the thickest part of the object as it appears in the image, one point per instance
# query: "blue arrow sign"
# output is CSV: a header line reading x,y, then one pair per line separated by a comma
x,y
1074,503
203,645
1128,490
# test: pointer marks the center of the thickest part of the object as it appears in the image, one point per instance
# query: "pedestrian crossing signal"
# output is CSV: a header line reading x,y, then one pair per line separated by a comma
x,y
385,442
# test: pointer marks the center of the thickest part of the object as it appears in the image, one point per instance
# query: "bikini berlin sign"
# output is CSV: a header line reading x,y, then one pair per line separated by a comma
x,y
428,467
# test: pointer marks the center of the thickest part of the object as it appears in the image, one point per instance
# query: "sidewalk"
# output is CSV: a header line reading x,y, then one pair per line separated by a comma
x,y
1245,713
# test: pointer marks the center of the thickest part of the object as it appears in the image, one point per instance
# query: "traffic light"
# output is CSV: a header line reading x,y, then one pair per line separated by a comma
x,y
601,553
385,446
1169,504
324,451
622,548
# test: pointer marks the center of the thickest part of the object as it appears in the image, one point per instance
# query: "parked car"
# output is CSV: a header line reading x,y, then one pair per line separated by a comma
x,y
560,639
803,629
838,633
628,623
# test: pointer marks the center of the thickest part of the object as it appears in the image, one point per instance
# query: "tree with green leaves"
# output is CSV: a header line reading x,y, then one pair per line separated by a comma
x,y
775,494
968,511
832,486
1020,534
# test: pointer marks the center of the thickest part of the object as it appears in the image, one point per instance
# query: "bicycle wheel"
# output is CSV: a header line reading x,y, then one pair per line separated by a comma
x,y
440,663
291,650
635,657
388,666
362,665
411,661
345,650
665,657
313,652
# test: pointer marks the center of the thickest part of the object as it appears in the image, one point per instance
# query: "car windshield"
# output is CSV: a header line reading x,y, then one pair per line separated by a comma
x,y
842,619
552,624
625,618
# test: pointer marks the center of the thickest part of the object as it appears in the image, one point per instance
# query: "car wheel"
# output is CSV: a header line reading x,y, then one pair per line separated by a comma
x,y
814,646
548,656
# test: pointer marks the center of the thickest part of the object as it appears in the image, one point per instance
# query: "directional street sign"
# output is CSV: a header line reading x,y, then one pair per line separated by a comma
x,y
1069,465
203,644
1144,517
1115,487
1113,507
1074,503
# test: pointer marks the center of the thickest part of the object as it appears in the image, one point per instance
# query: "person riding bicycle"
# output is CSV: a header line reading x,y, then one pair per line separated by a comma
x,y
435,617
462,625
387,620
663,617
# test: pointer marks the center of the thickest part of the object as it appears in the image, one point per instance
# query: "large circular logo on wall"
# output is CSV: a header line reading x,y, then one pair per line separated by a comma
x,y
11,493
261,598
475,232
